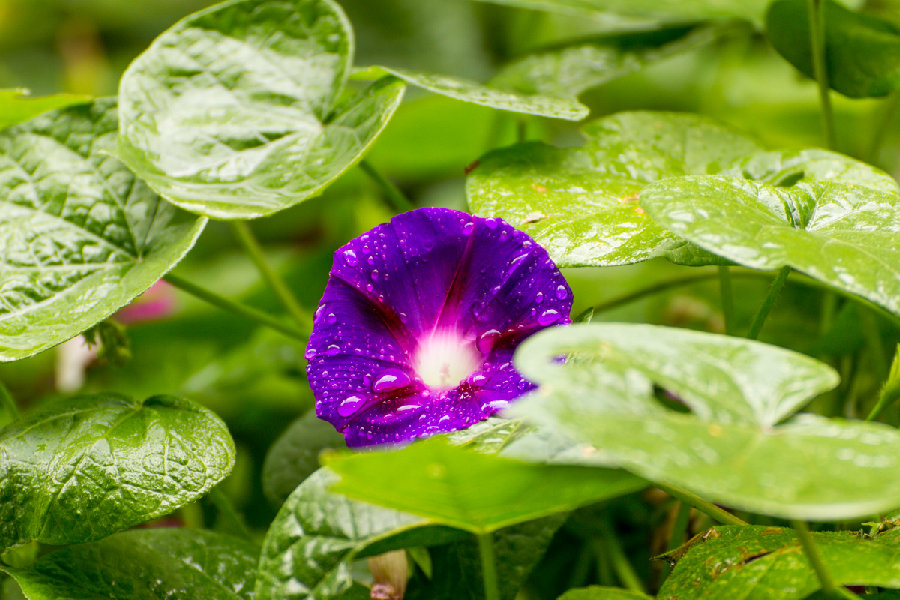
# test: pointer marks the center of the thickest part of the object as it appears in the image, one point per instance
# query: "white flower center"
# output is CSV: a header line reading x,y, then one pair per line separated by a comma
x,y
444,360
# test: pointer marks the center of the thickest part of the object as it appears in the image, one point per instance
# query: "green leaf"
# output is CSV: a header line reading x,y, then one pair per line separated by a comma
x,y
17,106
492,435
295,454
316,534
674,10
82,468
555,106
150,564
467,490
842,234
728,450
579,65
862,52
595,592
726,562
233,113
581,204
80,236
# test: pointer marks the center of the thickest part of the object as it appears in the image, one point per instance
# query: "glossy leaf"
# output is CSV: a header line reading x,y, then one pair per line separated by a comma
x,y
728,450
295,454
726,562
150,564
862,55
80,236
17,105
317,534
675,10
569,70
471,491
595,592
555,106
582,204
491,435
82,468
234,112
844,235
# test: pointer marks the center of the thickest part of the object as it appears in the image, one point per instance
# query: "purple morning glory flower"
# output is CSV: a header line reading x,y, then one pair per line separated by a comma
x,y
416,330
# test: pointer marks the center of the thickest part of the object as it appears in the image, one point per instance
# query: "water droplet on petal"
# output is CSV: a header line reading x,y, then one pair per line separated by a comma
x,y
485,342
548,317
491,223
331,318
374,274
310,353
561,292
350,258
478,379
349,405
539,298
332,350
390,380
468,228
497,404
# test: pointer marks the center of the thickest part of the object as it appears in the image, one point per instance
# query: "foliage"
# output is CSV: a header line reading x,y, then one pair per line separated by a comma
x,y
668,155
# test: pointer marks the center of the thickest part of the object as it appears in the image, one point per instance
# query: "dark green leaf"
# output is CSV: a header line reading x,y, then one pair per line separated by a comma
x,y
295,455
727,562
728,450
569,70
582,204
471,491
151,564
81,468
842,234
862,52
555,106
602,593
316,534
17,106
233,113
80,236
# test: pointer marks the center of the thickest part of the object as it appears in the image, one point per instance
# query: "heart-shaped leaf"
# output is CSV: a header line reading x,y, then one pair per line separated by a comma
x,y
234,112
317,534
554,106
844,235
726,562
728,450
17,106
581,204
570,69
82,468
80,236
476,492
862,51
150,564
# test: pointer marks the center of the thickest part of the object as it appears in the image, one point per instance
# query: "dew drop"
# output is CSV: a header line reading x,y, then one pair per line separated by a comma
x,y
374,274
485,342
349,405
331,318
561,292
491,223
496,404
390,380
350,258
539,298
478,379
371,260
310,353
332,350
468,228
548,317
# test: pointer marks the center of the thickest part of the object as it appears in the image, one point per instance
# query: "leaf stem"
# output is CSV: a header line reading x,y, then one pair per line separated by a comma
x,y
717,514
679,527
488,566
395,197
245,236
727,294
768,302
829,588
234,307
8,402
883,127
890,392
609,543
228,513
817,48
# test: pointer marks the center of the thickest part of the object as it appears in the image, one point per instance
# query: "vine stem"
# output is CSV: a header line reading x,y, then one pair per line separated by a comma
x,y
890,392
717,514
817,48
245,236
8,402
829,588
488,566
397,199
609,543
727,293
235,307
679,527
768,302
228,513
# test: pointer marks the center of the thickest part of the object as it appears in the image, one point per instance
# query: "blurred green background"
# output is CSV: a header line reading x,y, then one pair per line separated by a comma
x,y
254,379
